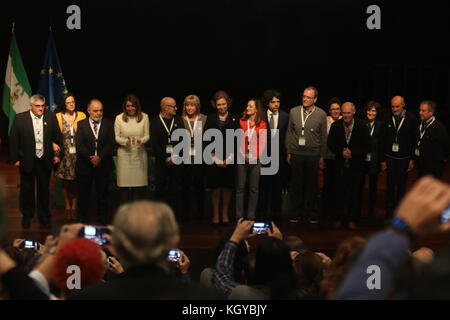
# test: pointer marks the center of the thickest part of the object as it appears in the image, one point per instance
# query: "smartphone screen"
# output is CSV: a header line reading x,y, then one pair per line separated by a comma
x,y
174,255
31,244
260,228
95,234
445,216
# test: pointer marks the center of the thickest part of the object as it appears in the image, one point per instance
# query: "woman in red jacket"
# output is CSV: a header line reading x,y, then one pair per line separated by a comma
x,y
251,148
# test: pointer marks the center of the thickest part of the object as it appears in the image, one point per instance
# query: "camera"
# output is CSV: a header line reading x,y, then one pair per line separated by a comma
x,y
95,234
29,244
174,255
260,228
445,215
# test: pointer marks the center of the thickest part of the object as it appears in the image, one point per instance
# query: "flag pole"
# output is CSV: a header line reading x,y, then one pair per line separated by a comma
x,y
13,25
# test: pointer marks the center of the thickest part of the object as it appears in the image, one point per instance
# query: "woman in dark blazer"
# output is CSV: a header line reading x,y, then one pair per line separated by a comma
x,y
371,167
221,175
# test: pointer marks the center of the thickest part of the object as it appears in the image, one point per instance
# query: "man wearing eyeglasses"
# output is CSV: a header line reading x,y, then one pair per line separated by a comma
x,y
167,174
306,144
33,135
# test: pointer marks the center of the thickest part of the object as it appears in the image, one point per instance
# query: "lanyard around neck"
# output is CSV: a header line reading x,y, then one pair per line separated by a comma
x,y
305,119
165,126
192,129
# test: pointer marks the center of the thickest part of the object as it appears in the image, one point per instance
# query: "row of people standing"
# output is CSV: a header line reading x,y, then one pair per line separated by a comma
x,y
394,143
346,149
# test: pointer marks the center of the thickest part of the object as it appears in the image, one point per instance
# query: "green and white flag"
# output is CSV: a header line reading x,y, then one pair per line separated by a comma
x,y
17,90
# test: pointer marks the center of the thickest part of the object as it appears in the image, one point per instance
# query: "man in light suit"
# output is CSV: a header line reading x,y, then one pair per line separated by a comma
x,y
94,142
34,134
271,186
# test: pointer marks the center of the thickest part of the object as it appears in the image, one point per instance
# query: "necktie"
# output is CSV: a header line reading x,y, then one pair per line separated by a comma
x,y
39,138
272,121
424,126
95,126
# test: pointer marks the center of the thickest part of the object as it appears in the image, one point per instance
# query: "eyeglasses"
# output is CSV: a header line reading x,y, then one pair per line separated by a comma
x,y
306,97
171,106
38,105
70,102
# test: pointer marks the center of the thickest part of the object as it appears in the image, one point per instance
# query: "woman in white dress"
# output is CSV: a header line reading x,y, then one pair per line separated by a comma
x,y
132,130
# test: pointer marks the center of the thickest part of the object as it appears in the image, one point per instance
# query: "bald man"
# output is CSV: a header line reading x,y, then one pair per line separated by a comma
x,y
167,174
94,142
349,140
399,140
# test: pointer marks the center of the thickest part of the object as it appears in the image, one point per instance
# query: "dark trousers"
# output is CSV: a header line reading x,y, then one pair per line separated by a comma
x,y
304,170
99,176
168,185
373,184
31,201
328,191
347,191
397,172
194,190
270,200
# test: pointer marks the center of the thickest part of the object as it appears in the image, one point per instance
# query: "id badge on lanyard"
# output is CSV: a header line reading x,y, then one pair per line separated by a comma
x,y
395,147
302,141
39,145
169,148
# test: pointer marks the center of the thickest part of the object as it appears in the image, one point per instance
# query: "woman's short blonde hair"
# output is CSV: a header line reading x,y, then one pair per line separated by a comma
x,y
194,100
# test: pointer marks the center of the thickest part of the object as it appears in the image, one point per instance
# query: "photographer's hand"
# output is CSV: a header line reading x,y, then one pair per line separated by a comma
x,y
422,206
241,232
184,263
114,265
69,232
275,232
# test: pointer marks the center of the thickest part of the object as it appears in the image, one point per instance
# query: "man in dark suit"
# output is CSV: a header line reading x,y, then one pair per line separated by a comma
x,y
94,142
144,232
433,145
399,138
33,135
167,174
349,140
271,186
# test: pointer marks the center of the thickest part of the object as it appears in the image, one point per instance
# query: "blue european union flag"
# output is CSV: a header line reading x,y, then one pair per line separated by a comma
x,y
51,82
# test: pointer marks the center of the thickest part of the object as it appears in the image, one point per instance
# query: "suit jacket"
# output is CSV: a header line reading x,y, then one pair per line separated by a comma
x,y
85,144
375,149
147,282
159,137
435,144
283,121
359,144
22,143
407,137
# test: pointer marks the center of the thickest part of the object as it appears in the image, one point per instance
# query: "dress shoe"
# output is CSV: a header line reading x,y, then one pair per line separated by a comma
x,y
26,223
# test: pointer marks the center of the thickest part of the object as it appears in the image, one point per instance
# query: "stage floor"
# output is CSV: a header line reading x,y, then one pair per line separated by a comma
x,y
199,237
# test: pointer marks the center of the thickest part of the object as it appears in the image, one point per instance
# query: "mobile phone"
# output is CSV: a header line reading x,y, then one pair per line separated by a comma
x,y
29,244
260,228
174,255
95,233
445,215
